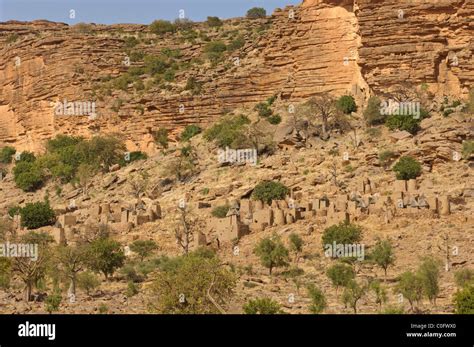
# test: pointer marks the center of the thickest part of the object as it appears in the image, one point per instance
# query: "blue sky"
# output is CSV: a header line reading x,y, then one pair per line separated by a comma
x,y
130,11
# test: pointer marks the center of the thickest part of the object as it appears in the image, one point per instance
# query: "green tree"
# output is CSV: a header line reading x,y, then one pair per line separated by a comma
x,y
428,273
403,122
213,22
353,292
220,211
256,12
272,253
87,281
6,154
262,306
296,245
410,286
342,233
318,300
143,248
407,168
28,177
346,104
382,255
197,283
464,300
372,113
71,260
379,291
340,274
31,272
37,215
269,191
105,255
161,27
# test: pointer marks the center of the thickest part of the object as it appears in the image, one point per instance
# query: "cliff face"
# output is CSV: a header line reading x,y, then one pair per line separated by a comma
x,y
339,46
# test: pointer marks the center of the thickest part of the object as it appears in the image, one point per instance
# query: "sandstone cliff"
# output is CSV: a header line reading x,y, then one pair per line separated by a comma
x,y
357,47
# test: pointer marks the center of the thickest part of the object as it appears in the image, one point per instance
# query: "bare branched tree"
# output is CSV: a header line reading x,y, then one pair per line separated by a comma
x,y
323,107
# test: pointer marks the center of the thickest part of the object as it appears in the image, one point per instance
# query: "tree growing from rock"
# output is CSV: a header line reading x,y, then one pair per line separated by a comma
x,y
272,253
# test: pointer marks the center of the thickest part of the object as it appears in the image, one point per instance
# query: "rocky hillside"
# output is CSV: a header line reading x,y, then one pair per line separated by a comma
x,y
274,85
359,47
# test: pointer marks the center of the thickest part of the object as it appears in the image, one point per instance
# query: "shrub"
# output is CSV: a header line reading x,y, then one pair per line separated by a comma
x,y
379,292
192,284
394,310
193,85
5,272
213,22
342,233
269,190
189,132
220,211
37,215
228,131
6,154
407,168
318,300
214,51
53,301
83,28
262,306
101,152
28,177
156,65
27,157
256,12
161,137
403,122
296,244
132,289
372,113
467,148
464,301
373,132
263,110
12,38
14,210
184,24
346,104
464,277
272,253
235,44
169,75
87,281
385,158
274,119
161,27
131,42
340,274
